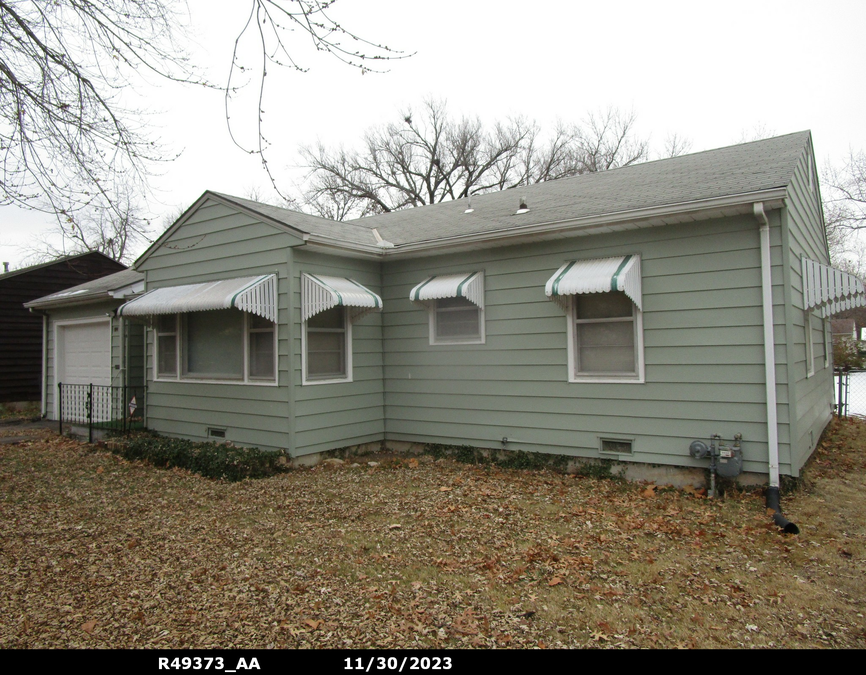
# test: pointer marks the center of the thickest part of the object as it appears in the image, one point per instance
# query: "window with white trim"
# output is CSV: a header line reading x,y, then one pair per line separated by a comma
x,y
456,321
817,355
827,347
224,345
327,346
166,345
455,306
329,308
605,337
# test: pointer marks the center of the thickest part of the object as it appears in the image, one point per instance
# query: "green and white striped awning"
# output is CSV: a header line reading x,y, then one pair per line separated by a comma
x,y
257,295
600,275
320,293
830,290
469,286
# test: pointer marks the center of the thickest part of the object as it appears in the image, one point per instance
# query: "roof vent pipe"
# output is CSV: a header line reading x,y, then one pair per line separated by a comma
x,y
523,208
5,267
770,372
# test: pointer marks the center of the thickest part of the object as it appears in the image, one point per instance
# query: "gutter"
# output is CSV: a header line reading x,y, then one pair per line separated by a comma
x,y
770,372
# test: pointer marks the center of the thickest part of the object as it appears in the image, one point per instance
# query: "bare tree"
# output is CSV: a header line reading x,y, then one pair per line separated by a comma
x,y
845,193
66,139
430,157
844,200
607,141
113,227
758,132
676,145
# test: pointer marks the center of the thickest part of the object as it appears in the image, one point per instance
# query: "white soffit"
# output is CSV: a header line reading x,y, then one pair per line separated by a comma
x,y
830,290
320,293
601,275
469,286
257,295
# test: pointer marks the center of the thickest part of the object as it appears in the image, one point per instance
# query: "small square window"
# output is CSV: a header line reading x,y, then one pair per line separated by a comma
x,y
455,307
456,320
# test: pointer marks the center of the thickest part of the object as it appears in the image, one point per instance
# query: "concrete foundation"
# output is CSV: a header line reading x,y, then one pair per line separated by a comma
x,y
675,476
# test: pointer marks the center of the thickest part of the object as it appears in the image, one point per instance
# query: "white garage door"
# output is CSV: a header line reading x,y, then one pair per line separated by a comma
x,y
84,353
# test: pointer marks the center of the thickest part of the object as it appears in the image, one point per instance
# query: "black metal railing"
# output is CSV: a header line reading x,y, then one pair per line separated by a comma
x,y
101,407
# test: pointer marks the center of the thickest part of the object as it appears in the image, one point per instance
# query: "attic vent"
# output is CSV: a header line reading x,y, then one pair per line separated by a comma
x,y
523,208
616,446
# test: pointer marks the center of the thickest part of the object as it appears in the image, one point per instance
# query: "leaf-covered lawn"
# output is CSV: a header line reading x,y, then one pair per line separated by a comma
x,y
416,552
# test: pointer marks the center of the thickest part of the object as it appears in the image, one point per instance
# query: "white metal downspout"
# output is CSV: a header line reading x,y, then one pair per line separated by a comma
x,y
770,374
769,344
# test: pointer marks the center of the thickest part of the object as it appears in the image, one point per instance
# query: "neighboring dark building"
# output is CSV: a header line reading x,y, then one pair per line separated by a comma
x,y
21,330
843,328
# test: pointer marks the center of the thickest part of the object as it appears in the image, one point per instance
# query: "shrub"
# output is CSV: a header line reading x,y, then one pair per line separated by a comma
x,y
846,353
213,460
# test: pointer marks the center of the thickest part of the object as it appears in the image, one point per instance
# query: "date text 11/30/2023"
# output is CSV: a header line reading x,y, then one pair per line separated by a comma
x,y
393,663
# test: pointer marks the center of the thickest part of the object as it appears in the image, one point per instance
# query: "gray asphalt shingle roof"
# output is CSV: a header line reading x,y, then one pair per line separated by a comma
x,y
343,231
90,289
737,169
733,170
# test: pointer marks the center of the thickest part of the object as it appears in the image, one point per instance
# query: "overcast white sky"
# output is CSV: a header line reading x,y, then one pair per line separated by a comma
x,y
709,71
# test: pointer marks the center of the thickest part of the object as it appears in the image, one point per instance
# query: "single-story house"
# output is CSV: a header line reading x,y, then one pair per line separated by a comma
x,y
616,315
21,344
85,342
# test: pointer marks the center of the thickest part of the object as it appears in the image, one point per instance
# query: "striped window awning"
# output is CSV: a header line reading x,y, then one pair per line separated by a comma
x,y
467,285
601,275
320,293
830,290
257,295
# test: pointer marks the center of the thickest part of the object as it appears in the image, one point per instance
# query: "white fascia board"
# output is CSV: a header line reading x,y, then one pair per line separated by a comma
x,y
126,291
70,300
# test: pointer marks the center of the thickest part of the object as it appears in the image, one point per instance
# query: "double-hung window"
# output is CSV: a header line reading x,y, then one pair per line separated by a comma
x,y
328,336
602,298
166,345
329,308
604,331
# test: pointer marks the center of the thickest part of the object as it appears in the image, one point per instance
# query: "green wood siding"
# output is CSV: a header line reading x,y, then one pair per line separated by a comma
x,y
702,342
213,243
812,400
703,346
338,414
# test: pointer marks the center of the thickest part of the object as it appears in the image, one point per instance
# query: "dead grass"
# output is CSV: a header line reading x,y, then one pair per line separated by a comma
x,y
99,552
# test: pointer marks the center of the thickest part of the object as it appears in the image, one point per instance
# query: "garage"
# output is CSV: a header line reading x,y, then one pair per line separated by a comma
x,y
84,353
83,356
